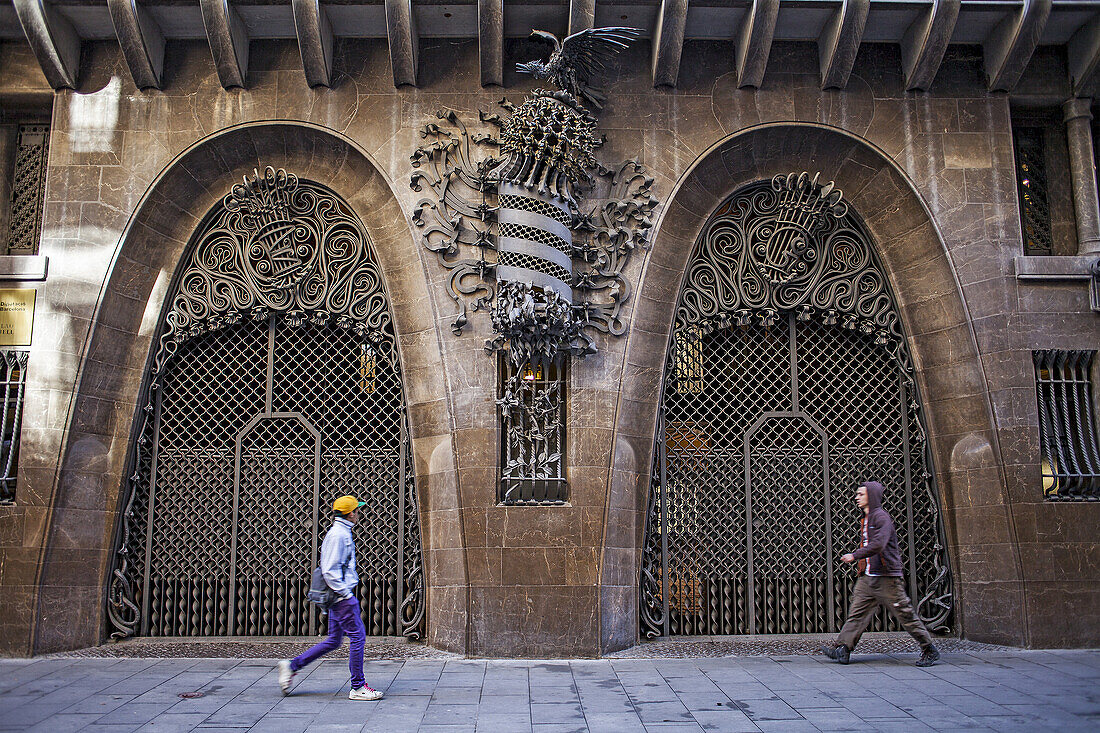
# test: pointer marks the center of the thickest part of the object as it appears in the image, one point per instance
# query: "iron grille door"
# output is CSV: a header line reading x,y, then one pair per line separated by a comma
x,y
765,434
791,587
787,383
257,429
274,386
275,513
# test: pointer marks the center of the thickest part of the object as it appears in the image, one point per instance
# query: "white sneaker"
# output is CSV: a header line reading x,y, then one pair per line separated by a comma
x,y
364,693
286,676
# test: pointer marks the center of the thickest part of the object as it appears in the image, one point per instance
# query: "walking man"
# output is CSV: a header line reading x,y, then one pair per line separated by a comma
x,y
338,567
880,582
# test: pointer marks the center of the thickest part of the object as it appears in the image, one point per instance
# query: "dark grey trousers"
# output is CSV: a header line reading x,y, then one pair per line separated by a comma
x,y
890,592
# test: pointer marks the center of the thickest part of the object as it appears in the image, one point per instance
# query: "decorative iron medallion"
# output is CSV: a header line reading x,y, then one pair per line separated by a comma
x,y
788,246
273,387
787,383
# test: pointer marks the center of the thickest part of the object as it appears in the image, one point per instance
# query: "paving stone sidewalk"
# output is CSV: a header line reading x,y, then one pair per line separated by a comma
x,y
988,690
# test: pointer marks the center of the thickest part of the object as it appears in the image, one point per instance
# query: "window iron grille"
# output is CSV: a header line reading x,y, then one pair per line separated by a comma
x,y
1032,189
531,400
14,385
1068,442
28,186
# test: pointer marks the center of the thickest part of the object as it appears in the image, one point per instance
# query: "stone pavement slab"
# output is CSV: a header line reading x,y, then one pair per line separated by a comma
x,y
983,690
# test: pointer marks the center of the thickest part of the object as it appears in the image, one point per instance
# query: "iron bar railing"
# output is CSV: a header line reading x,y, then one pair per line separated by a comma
x,y
14,386
1070,451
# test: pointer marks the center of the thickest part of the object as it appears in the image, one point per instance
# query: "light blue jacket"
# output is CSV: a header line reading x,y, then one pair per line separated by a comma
x,y
338,559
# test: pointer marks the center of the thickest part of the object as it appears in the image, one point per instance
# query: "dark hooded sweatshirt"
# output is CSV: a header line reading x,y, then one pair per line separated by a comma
x,y
881,550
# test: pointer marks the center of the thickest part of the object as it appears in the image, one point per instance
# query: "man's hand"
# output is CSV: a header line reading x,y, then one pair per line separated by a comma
x,y
848,558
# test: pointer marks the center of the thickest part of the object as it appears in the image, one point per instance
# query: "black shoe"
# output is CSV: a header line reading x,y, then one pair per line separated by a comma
x,y
929,656
839,653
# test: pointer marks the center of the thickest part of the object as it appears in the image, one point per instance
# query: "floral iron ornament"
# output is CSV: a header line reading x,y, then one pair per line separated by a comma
x,y
534,229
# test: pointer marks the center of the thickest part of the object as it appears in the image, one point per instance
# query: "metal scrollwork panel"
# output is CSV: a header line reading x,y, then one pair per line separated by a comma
x,y
745,524
788,245
275,387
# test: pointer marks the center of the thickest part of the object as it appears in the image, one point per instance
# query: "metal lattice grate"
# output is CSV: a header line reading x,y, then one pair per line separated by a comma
x,y
534,234
246,419
1032,189
769,421
28,186
536,264
14,365
1067,425
536,206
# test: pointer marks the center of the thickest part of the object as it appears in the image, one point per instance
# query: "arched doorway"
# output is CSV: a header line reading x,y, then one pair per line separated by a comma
x,y
274,386
787,382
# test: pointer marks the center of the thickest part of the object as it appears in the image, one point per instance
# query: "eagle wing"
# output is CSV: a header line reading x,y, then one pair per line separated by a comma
x,y
588,51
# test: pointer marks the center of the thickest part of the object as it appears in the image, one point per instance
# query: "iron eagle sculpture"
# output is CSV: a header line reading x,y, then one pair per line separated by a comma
x,y
578,58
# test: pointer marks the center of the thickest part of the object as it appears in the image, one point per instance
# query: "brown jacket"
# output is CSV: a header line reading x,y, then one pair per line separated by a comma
x,y
882,549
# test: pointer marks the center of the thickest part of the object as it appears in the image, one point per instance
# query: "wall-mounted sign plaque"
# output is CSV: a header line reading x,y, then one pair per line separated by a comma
x,y
16,316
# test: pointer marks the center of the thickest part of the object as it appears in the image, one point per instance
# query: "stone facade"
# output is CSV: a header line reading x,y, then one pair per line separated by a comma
x,y
132,172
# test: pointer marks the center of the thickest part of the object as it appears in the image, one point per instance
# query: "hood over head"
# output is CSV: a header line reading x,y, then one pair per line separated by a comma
x,y
874,494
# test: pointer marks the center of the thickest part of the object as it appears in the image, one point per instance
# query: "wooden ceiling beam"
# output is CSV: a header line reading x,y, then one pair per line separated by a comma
x,y
315,41
1011,43
404,41
490,38
141,41
228,39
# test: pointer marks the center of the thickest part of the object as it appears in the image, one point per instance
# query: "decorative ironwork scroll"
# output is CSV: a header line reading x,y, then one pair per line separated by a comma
x,y
458,222
787,383
535,230
273,388
788,246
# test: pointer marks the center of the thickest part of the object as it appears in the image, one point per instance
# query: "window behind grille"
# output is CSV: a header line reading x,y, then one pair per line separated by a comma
x,y
531,399
27,191
1067,425
1043,186
1031,187
14,365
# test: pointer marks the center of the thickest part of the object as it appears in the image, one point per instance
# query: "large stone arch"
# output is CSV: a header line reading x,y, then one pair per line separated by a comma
x,y
949,372
101,414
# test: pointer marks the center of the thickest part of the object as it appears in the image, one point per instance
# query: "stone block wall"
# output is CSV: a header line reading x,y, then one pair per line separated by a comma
x,y
132,172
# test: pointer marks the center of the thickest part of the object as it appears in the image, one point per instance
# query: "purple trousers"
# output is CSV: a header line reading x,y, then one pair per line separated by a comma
x,y
343,618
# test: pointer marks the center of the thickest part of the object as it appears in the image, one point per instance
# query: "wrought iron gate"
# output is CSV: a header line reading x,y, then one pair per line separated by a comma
x,y
787,383
259,413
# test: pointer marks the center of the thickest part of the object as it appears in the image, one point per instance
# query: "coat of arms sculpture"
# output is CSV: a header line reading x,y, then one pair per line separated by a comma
x,y
535,230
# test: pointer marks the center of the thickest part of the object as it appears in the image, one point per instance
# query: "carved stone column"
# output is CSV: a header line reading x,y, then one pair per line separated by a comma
x,y
1082,166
